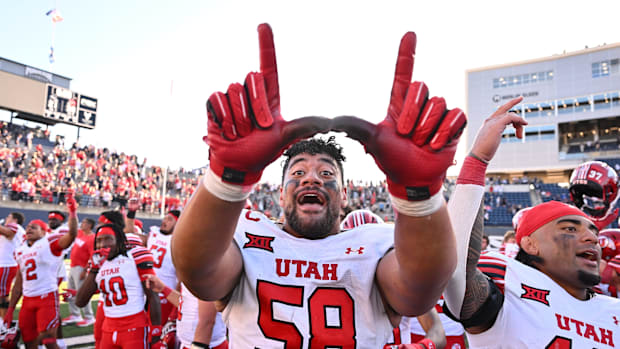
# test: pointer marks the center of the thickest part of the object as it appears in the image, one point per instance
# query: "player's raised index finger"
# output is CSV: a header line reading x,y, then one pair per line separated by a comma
x,y
404,67
268,65
506,107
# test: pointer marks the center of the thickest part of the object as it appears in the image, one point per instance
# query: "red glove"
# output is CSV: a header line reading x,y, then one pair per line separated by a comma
x,y
155,334
245,129
606,220
415,144
71,204
68,294
8,316
98,258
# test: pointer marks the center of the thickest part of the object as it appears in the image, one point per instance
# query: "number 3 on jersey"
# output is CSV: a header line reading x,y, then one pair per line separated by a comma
x,y
337,330
158,255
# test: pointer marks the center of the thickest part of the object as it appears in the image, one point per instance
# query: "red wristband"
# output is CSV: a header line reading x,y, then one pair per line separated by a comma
x,y
166,291
472,172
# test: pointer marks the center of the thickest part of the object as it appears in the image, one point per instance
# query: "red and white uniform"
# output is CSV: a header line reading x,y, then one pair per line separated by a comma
x,y
296,290
159,245
188,320
38,264
538,313
120,284
455,333
8,265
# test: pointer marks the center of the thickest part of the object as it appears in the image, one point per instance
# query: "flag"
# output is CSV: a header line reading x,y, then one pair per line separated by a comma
x,y
51,54
55,15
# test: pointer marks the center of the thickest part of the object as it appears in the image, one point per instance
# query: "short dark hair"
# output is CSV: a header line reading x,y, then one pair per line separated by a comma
x,y
115,217
175,213
90,221
19,217
315,146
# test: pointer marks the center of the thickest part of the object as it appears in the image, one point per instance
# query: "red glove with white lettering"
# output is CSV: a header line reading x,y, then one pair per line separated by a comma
x,y
71,204
68,294
98,258
245,129
415,144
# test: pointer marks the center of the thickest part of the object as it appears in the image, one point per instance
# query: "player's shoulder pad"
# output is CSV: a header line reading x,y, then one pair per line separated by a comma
x,y
493,265
142,257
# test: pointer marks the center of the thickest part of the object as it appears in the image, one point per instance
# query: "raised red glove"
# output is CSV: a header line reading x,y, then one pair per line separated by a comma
x,y
68,294
415,144
98,258
71,204
8,316
245,129
606,220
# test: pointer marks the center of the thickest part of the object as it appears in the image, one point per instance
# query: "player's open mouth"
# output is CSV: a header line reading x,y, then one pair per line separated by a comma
x,y
590,255
311,198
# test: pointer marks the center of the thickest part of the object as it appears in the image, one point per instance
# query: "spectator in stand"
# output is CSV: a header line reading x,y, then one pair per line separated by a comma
x,y
485,243
80,255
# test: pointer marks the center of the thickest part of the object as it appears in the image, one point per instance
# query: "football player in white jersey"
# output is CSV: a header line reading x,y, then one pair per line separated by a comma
x,y
198,324
11,236
303,283
543,297
159,244
37,258
120,275
429,325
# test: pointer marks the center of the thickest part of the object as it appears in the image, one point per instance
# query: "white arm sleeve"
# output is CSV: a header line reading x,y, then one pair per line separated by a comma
x,y
463,208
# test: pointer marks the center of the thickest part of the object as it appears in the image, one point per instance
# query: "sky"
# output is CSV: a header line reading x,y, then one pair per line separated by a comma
x,y
153,64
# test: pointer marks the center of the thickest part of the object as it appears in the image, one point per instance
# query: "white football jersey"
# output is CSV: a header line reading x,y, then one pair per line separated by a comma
x,y
188,320
38,265
308,293
159,245
120,284
538,313
8,246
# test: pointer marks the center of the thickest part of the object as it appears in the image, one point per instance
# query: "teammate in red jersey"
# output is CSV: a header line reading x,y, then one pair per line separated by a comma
x,y
37,258
332,288
120,276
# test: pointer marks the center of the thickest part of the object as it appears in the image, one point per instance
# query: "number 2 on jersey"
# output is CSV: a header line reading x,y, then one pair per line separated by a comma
x,y
325,331
30,265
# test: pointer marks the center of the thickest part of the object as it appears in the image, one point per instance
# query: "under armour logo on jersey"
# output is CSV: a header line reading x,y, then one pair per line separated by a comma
x,y
535,294
260,242
615,321
351,250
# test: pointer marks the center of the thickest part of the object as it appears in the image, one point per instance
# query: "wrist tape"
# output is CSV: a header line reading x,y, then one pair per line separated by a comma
x,y
225,191
418,208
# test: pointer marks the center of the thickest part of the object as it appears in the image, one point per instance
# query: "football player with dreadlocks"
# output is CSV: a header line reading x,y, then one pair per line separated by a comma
x,y
120,275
